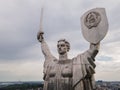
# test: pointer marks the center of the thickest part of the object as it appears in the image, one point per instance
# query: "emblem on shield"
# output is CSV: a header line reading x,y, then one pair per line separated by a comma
x,y
94,25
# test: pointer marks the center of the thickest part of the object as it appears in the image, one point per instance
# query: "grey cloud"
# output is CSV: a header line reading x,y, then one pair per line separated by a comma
x,y
7,76
24,24
19,27
107,66
114,18
12,76
20,19
105,58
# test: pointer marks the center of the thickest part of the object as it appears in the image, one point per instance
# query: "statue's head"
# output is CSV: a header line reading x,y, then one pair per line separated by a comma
x,y
63,46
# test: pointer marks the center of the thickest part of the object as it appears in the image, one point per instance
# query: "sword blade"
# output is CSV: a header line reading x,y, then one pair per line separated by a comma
x,y
41,20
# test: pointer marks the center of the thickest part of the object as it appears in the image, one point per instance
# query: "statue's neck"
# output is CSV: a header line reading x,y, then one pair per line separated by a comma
x,y
63,57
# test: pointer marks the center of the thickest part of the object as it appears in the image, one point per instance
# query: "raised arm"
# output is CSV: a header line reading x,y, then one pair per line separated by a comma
x,y
44,46
47,54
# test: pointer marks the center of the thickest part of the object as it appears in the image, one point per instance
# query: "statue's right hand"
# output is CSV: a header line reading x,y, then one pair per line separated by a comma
x,y
40,36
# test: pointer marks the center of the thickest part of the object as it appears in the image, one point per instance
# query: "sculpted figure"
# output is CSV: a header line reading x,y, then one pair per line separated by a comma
x,y
68,74
77,73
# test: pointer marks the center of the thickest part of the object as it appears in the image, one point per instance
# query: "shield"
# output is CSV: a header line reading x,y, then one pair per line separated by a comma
x,y
94,25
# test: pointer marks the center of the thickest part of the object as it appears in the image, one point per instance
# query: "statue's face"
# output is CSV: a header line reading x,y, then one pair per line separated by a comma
x,y
62,48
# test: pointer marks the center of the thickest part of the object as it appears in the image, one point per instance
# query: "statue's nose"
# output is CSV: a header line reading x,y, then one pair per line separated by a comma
x,y
59,48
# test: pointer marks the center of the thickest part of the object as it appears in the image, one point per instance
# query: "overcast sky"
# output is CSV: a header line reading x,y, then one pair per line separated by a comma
x,y
20,52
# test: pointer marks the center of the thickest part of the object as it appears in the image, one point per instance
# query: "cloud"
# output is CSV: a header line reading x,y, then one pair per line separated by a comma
x,y
16,71
18,28
20,53
107,61
108,71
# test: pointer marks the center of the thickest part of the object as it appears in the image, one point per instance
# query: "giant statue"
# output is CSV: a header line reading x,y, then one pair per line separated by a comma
x,y
77,73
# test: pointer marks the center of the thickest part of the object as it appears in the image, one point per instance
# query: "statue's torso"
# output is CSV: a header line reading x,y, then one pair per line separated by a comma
x,y
68,74
60,75
61,69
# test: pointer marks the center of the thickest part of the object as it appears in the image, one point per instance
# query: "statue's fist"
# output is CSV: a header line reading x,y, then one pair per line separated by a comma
x,y
40,36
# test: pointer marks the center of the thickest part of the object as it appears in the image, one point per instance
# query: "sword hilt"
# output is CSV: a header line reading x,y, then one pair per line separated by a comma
x,y
40,36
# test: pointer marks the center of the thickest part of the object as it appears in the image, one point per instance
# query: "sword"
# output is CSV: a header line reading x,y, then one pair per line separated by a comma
x,y
40,33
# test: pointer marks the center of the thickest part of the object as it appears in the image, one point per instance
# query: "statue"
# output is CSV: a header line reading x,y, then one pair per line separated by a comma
x,y
76,73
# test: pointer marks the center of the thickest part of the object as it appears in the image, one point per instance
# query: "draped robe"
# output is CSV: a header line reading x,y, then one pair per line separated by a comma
x,y
80,75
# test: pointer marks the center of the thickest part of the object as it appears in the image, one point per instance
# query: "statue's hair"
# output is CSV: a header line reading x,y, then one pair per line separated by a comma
x,y
66,42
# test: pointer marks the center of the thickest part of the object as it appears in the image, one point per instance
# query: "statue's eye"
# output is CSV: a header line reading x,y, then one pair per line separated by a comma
x,y
58,45
62,45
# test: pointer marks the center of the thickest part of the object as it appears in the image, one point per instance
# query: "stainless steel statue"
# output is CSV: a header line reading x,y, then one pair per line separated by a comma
x,y
76,73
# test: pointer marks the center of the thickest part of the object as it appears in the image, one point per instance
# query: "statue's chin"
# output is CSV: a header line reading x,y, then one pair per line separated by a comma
x,y
61,53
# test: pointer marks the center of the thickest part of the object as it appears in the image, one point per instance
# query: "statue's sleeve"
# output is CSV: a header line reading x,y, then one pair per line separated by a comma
x,y
47,54
49,58
83,65
79,71
46,51
89,58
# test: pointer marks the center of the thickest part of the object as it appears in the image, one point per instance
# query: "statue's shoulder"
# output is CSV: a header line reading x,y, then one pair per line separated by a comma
x,y
50,61
79,58
76,60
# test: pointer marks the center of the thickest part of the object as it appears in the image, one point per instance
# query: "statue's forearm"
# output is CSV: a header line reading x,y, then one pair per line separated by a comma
x,y
94,46
94,49
45,49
